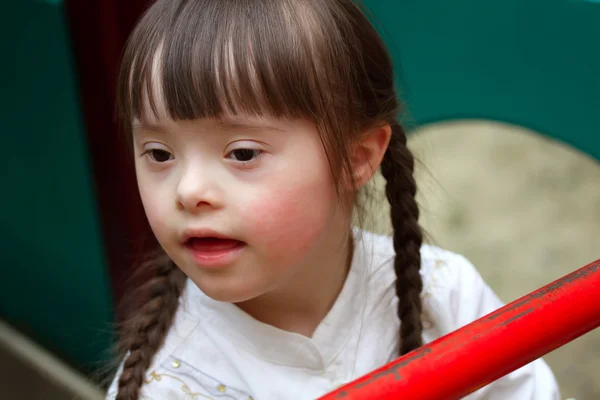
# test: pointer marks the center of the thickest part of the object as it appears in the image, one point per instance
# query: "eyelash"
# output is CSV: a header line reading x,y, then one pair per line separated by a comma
x,y
255,154
152,153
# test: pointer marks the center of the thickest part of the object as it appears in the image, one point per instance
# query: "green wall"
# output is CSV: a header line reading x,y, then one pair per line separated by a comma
x,y
54,278
534,63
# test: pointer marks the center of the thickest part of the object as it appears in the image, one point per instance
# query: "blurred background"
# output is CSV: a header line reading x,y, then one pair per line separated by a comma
x,y
502,105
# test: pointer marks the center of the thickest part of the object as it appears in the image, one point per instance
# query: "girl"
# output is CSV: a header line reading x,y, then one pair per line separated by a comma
x,y
256,126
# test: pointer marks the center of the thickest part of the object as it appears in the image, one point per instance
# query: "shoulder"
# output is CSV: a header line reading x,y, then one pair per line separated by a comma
x,y
440,268
162,364
174,378
454,293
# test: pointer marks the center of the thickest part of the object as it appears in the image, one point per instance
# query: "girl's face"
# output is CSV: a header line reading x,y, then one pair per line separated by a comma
x,y
242,205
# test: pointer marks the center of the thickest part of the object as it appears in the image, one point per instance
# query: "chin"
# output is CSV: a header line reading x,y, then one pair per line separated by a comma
x,y
228,294
232,298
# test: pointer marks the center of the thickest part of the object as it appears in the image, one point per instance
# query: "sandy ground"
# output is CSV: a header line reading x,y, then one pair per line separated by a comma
x,y
524,209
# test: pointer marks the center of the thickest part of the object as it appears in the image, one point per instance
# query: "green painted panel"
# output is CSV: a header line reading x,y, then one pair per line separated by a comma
x,y
54,284
534,63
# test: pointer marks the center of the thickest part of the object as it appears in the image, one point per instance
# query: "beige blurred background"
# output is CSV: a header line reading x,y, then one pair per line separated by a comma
x,y
523,208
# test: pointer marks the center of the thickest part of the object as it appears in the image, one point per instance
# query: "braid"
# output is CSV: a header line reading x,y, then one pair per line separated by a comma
x,y
397,168
145,332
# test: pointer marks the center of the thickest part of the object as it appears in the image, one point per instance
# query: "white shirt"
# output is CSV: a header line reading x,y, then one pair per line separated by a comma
x,y
216,351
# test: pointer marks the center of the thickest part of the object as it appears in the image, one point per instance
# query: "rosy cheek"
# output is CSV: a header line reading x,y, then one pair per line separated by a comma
x,y
289,222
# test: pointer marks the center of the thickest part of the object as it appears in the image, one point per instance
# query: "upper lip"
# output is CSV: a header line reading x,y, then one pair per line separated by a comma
x,y
202,233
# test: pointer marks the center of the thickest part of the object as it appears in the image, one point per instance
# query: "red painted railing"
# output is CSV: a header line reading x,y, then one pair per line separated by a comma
x,y
489,348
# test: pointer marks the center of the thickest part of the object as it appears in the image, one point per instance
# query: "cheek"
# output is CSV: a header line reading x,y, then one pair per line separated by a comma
x,y
153,202
292,212
292,219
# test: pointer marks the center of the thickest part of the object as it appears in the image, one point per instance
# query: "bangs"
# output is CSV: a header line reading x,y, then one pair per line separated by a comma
x,y
203,59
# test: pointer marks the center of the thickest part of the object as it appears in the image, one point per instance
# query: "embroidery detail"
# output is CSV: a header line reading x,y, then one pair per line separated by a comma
x,y
192,383
154,376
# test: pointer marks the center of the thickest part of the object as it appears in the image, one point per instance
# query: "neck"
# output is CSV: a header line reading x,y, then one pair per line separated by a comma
x,y
301,304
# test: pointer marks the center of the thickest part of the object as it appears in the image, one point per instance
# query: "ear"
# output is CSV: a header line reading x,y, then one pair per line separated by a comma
x,y
367,153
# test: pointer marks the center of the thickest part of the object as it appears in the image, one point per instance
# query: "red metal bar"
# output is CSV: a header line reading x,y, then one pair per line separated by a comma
x,y
491,347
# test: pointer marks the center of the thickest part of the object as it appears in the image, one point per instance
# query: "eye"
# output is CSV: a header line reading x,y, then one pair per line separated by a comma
x,y
159,155
244,155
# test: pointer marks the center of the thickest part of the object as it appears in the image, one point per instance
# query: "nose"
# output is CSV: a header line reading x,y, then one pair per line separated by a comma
x,y
197,189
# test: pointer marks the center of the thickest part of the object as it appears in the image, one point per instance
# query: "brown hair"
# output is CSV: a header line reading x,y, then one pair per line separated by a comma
x,y
315,59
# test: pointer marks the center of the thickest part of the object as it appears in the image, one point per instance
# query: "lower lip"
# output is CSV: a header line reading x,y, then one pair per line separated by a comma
x,y
216,259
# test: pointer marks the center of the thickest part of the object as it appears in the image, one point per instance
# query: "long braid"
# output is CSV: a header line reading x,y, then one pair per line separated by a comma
x,y
397,168
144,334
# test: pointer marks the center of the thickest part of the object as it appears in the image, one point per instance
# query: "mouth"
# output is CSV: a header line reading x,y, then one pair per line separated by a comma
x,y
211,249
212,245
